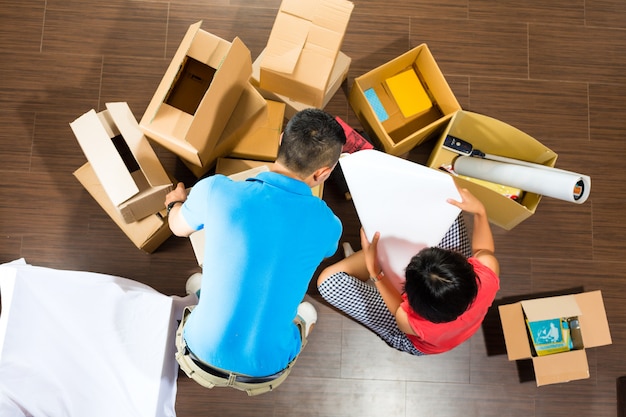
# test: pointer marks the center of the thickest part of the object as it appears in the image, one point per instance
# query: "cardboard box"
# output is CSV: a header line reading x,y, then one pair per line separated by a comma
x,y
379,113
338,75
147,234
197,94
564,366
261,144
250,114
494,137
123,160
302,48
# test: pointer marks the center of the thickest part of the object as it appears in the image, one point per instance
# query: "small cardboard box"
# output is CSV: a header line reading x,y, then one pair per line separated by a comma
x,y
337,77
381,116
302,48
494,137
564,366
261,144
147,234
250,114
123,160
197,94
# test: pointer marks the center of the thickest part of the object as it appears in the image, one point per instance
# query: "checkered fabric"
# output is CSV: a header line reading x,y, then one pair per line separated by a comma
x,y
362,301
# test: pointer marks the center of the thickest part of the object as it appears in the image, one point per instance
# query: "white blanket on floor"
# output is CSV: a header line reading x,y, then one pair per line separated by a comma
x,y
84,344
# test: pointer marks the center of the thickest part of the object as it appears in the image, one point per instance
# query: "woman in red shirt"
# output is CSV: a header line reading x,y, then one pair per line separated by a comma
x,y
446,293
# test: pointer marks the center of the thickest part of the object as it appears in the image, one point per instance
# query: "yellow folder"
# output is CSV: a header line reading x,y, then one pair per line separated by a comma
x,y
409,93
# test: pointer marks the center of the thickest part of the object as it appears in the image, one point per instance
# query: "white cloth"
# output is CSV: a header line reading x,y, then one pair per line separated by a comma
x,y
84,344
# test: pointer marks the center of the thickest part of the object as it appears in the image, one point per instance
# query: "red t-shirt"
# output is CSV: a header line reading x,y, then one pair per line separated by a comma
x,y
440,337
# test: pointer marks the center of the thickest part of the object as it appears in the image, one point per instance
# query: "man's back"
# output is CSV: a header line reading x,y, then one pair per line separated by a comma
x,y
265,238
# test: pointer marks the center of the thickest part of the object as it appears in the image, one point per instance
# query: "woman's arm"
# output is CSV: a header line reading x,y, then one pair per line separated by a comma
x,y
483,247
388,292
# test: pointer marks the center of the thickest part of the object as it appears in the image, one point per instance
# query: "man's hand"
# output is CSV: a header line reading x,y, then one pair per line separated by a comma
x,y
370,251
177,194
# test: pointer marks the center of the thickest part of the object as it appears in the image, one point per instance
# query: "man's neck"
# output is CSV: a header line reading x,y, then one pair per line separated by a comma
x,y
279,168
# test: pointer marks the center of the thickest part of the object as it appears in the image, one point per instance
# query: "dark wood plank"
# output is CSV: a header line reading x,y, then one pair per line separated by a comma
x,y
554,70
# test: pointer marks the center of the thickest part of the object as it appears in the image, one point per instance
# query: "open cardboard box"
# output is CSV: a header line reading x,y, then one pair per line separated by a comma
x,y
197,95
380,115
337,77
494,137
302,49
147,234
123,160
564,366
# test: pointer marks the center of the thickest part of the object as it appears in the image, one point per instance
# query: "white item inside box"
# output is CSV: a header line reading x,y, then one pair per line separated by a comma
x,y
78,344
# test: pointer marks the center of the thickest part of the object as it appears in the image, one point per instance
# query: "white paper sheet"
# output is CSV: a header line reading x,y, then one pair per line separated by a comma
x,y
535,178
84,344
404,201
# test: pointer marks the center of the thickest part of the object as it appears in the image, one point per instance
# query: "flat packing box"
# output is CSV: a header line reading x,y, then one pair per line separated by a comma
x,y
123,161
302,48
338,75
494,137
147,234
251,113
376,101
197,94
564,366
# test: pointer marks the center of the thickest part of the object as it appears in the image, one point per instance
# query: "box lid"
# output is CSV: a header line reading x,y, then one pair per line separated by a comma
x,y
94,133
561,367
551,308
594,324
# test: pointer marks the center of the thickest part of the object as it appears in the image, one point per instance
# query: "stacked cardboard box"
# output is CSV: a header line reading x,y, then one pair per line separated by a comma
x,y
302,63
123,173
204,99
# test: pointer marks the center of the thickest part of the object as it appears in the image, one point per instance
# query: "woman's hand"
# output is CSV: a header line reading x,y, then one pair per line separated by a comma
x,y
370,251
469,203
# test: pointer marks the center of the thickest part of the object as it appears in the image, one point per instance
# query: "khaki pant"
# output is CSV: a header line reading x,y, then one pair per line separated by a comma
x,y
210,377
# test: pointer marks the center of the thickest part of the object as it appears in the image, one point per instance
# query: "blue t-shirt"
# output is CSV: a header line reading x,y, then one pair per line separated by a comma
x,y
265,237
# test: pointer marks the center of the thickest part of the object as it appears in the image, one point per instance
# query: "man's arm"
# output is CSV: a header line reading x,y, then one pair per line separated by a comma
x,y
178,224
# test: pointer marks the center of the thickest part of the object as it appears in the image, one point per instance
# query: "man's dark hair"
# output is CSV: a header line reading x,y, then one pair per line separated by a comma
x,y
311,140
440,284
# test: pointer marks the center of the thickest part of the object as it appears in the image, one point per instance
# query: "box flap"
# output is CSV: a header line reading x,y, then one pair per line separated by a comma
x,y
594,325
551,307
561,367
95,141
514,329
147,234
170,74
228,84
138,144
285,43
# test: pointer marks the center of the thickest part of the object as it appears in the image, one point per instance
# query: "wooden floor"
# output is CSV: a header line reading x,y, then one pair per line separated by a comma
x,y
555,69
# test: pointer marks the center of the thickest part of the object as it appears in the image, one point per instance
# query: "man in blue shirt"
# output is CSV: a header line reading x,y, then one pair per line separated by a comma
x,y
264,239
